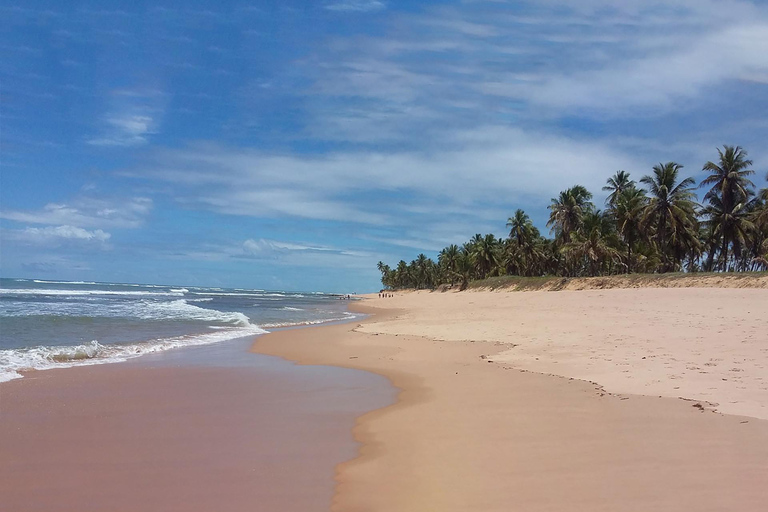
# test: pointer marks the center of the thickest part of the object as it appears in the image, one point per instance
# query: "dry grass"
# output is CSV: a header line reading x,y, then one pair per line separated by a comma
x,y
672,280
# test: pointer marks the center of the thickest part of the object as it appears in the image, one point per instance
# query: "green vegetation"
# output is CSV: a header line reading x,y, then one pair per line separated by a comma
x,y
657,227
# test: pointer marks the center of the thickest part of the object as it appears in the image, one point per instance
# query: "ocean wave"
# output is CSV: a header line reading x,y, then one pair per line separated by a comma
x,y
289,308
278,325
181,310
43,358
232,294
144,309
62,282
75,293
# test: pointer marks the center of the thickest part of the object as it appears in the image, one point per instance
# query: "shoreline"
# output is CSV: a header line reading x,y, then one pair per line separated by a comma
x,y
440,447
206,428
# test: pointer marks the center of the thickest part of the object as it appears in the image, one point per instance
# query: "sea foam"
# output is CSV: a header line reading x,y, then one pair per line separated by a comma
x,y
43,358
74,293
143,309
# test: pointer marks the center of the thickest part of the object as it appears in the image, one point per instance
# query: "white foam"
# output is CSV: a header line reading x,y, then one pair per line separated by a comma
x,y
61,282
233,294
43,358
28,291
276,325
288,308
145,309
181,310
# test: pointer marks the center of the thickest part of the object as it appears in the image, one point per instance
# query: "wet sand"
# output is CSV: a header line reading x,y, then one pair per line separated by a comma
x,y
161,434
471,433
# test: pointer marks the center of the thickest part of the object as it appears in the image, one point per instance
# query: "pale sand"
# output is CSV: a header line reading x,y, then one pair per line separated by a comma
x,y
700,343
467,434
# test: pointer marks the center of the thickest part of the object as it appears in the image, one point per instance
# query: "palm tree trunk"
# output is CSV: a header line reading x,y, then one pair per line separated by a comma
x,y
724,253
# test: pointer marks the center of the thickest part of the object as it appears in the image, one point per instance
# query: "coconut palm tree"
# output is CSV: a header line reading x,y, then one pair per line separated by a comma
x,y
670,213
728,178
566,211
421,267
448,259
401,275
464,267
617,184
730,190
520,251
521,228
628,213
595,244
486,255
732,226
386,274
761,212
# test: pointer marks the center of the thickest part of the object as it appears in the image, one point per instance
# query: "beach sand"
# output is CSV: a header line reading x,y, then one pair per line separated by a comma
x,y
477,427
495,412
150,436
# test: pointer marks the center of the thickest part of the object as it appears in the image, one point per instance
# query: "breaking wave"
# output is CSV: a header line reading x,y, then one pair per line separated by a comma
x,y
43,358
277,325
74,293
142,309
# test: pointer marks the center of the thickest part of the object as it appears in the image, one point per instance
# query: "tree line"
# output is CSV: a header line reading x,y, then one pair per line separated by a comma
x,y
654,226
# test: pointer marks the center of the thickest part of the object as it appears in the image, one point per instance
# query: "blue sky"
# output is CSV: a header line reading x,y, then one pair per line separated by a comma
x,y
292,145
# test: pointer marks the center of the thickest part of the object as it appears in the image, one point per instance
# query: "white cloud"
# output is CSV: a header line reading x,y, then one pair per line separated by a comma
x,y
281,253
87,212
541,60
125,130
475,179
658,80
65,233
356,6
57,237
132,116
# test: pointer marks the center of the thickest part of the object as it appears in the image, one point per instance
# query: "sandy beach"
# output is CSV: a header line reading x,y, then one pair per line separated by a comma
x,y
199,429
482,424
595,400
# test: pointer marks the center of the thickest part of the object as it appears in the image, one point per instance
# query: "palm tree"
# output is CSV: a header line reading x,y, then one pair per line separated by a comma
x,y
730,190
448,259
464,267
521,250
521,228
421,266
386,274
486,253
617,184
761,213
401,275
732,227
628,211
595,245
567,210
670,212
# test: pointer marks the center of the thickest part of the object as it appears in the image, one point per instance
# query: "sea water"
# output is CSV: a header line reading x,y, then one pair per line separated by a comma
x,y
52,324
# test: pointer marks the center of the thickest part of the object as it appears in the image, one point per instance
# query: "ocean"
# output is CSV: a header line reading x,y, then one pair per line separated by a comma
x,y
53,324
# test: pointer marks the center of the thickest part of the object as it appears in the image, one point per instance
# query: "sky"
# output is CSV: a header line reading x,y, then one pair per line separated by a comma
x,y
293,145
